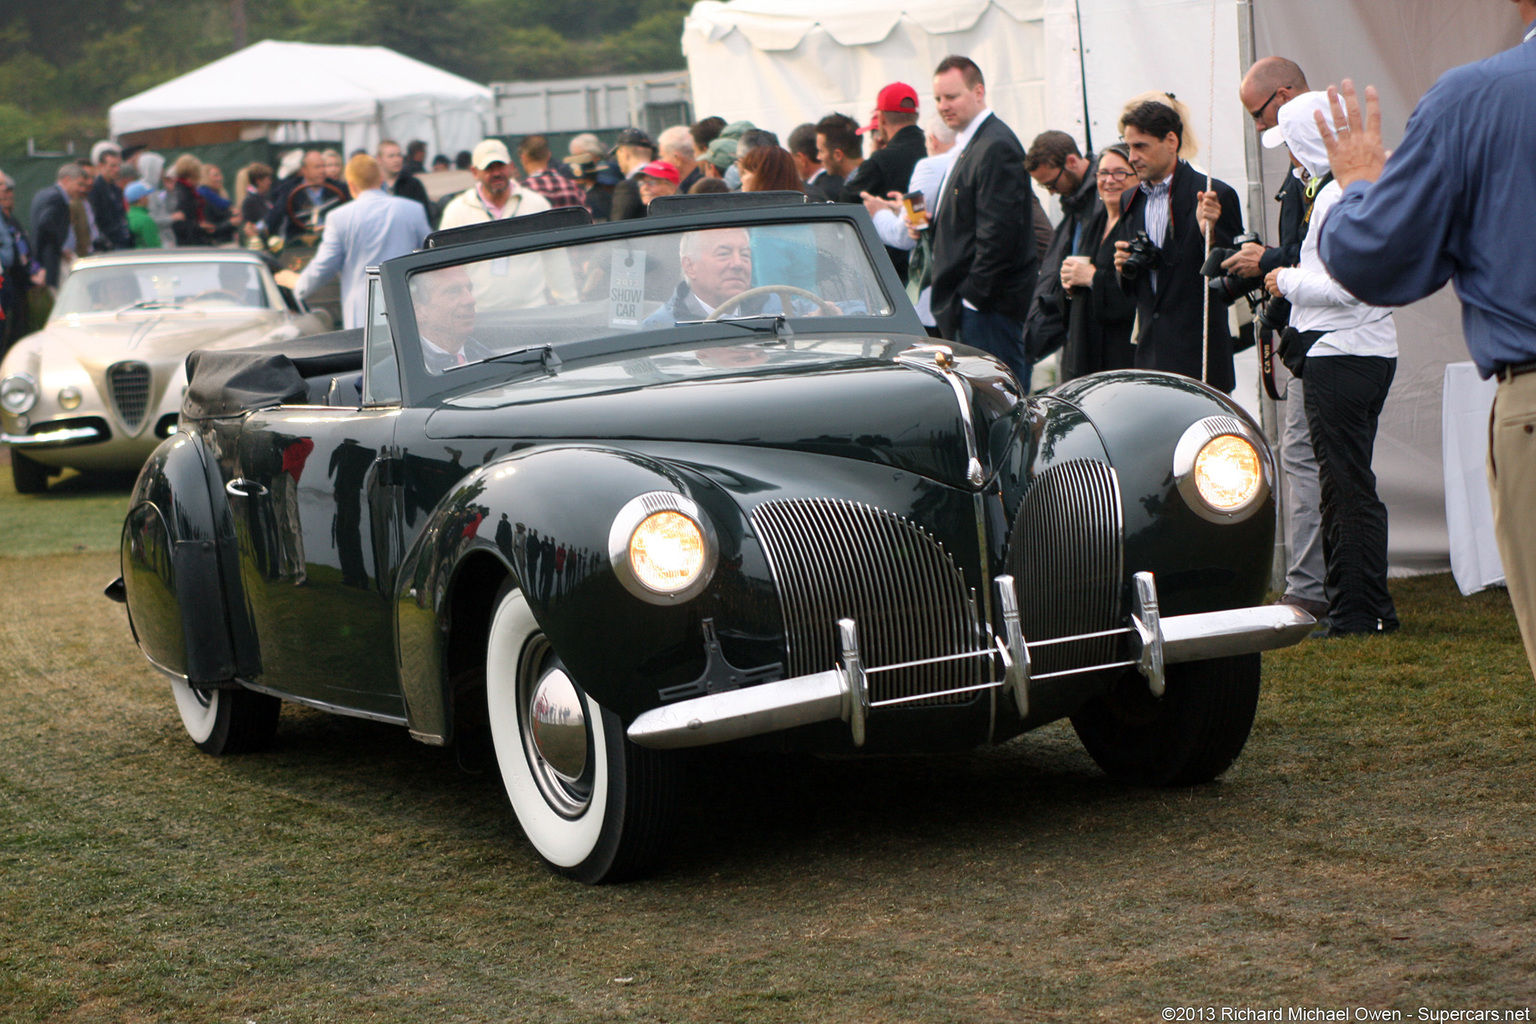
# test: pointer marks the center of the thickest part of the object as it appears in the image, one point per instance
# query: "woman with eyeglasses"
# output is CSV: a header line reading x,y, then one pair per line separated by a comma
x,y
1099,314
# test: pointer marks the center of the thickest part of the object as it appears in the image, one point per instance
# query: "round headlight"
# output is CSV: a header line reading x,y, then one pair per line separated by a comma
x,y
1227,472
69,398
18,393
1222,468
666,552
662,548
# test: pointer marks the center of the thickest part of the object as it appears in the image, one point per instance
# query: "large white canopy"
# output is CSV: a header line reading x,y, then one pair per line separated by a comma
x,y
780,63
358,94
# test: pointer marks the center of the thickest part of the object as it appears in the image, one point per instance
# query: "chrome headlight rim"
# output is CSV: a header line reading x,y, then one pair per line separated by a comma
x,y
636,511
27,404
1193,441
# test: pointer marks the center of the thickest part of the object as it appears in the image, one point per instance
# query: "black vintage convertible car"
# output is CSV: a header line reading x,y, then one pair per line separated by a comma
x,y
614,490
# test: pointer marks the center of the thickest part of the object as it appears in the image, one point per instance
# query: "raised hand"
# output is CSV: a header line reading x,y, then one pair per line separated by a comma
x,y
1355,152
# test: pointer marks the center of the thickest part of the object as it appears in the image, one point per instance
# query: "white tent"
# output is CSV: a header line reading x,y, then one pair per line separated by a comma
x,y
358,94
780,63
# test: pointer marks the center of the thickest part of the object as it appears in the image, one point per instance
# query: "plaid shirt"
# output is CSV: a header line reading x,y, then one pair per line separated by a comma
x,y
557,188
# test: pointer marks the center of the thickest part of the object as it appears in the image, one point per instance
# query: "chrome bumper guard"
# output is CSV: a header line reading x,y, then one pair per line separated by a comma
x,y
50,438
843,692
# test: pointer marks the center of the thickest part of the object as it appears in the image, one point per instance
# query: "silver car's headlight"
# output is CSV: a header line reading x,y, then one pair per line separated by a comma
x,y
662,547
1222,469
18,393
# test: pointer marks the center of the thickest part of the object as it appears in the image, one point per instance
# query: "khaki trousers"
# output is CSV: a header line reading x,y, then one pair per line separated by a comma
x,y
1512,487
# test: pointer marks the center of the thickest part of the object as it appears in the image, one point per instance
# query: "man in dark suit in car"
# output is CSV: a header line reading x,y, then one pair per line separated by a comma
x,y
984,258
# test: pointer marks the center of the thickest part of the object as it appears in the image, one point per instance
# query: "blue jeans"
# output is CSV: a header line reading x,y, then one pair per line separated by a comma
x,y
999,335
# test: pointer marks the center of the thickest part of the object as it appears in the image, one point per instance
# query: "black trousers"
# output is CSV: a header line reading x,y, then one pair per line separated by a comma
x,y
1344,396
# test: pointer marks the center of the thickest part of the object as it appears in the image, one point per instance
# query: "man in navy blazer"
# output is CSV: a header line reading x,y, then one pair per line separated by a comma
x,y
1170,295
51,220
984,257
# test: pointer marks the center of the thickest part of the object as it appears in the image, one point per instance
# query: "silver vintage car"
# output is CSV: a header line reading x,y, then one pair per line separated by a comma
x,y
100,386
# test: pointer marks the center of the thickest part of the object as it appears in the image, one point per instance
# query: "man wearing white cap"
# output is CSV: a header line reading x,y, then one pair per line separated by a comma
x,y
495,195
1346,353
514,282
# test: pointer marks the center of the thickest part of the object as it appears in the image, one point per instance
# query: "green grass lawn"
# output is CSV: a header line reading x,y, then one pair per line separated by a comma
x,y
1372,848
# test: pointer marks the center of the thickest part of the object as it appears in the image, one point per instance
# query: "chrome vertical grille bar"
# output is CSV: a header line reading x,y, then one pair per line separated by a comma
x,y
129,384
1066,555
833,560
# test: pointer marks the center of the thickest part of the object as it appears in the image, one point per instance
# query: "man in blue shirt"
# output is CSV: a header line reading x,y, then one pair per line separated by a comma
x,y
374,227
1455,202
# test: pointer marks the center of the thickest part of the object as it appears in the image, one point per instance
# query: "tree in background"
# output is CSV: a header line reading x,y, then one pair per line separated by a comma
x,y
64,62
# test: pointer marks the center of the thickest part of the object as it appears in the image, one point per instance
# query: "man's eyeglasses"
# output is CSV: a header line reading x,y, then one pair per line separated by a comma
x,y
1050,186
1258,115
1116,175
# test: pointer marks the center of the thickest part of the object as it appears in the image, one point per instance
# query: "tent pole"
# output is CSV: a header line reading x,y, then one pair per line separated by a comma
x,y
1082,69
1269,413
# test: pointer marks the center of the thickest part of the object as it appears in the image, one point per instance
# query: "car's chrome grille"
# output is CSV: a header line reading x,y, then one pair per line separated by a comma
x,y
1066,557
838,559
128,384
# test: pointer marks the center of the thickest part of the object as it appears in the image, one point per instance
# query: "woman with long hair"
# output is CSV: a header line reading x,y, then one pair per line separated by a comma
x,y
769,169
1099,315
785,254
190,221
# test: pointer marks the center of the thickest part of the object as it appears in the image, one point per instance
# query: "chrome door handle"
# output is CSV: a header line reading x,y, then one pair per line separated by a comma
x,y
243,488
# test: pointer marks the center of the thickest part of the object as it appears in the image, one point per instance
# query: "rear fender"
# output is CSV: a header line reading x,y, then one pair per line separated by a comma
x,y
542,517
180,563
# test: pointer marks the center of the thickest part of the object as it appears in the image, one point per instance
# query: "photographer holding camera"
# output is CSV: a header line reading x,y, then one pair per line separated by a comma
x,y
1346,351
1160,266
1269,85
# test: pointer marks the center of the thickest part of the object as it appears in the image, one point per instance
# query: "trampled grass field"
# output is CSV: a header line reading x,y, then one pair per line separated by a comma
x,y
1371,852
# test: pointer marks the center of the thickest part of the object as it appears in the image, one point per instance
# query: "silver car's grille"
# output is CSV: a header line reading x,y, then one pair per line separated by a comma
x,y
1066,558
129,386
838,559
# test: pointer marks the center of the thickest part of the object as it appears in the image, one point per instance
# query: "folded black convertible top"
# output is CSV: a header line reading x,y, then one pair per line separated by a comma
x,y
232,381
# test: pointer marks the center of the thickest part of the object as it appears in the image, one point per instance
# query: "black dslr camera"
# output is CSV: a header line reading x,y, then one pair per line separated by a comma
x,y
1141,254
1228,288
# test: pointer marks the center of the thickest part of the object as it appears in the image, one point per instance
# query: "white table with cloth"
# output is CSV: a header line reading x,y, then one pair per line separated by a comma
x,y
1465,405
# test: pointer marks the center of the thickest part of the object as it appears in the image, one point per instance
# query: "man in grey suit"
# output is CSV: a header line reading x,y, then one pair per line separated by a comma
x,y
374,227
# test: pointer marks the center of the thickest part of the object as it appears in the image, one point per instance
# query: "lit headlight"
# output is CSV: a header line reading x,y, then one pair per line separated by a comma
x,y
18,393
662,548
1222,469
69,398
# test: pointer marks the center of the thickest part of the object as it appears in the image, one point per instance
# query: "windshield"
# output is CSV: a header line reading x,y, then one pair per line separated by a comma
x,y
475,311
127,287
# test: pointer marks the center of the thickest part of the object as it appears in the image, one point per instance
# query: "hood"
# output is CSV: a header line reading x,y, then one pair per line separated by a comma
x,y
101,341
876,400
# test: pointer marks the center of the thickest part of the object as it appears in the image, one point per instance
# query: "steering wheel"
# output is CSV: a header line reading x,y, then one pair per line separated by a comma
x,y
784,291
217,293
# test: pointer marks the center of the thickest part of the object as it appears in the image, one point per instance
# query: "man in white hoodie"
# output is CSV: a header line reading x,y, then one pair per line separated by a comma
x,y
1348,369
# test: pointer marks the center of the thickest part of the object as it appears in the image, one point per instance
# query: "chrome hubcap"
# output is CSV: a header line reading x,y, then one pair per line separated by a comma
x,y
559,726
556,739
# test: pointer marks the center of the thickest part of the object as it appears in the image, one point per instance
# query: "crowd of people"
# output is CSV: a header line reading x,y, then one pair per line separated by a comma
x,y
1122,280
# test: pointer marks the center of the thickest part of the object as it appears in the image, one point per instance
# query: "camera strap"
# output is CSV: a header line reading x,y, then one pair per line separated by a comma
x,y
1266,343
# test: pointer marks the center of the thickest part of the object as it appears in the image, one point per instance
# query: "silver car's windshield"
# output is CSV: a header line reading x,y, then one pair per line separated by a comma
x,y
474,311
125,288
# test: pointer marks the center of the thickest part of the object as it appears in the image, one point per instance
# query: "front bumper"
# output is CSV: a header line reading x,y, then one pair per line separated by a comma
x,y
59,438
843,692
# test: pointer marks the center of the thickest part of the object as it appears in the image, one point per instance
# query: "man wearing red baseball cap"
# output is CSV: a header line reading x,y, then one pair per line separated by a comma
x,y
657,178
889,168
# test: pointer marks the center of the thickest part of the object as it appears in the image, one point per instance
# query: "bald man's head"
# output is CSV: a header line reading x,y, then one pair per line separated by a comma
x,y
1267,86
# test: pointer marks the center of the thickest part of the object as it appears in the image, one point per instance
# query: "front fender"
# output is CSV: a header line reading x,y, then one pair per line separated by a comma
x,y
186,611
1200,565
544,515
